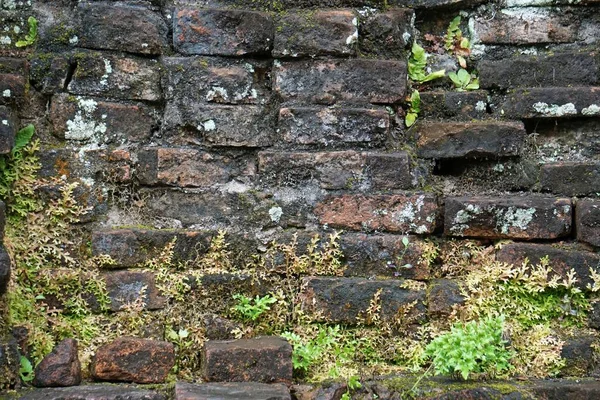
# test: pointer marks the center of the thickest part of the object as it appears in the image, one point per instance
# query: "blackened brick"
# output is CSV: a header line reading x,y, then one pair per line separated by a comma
x,y
571,178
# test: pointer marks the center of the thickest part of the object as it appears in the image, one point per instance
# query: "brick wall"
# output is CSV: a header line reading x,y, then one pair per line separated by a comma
x,y
181,118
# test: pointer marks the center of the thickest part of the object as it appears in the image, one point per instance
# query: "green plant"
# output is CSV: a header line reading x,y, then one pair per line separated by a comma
x,y
251,309
471,347
417,64
455,42
463,80
352,384
32,35
414,107
25,370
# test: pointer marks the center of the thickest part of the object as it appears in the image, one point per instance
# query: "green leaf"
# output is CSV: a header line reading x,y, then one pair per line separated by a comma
x,y
454,24
26,370
464,43
410,119
463,77
23,137
415,101
405,241
434,75
474,85
454,78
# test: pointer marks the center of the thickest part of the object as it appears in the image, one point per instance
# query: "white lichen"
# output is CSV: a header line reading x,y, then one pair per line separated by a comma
x,y
480,106
74,40
209,125
554,110
6,93
83,126
463,217
591,110
107,71
217,94
513,218
275,213
5,40
406,37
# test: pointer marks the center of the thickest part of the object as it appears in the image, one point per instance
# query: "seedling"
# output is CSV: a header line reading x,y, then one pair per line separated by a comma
x,y
416,66
414,109
463,80
32,35
251,309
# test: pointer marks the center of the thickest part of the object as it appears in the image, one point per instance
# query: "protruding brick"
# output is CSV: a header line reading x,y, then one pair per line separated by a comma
x,y
316,33
129,359
332,81
192,80
80,118
560,69
571,178
416,213
508,217
456,105
231,391
345,300
59,368
114,26
552,102
470,139
334,127
367,255
443,295
587,221
266,359
93,392
526,28
8,130
118,77
126,287
561,260
386,34
337,170
247,126
216,32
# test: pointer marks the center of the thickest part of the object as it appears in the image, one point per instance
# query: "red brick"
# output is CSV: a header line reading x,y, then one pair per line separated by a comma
x,y
526,29
470,139
337,170
334,127
265,359
410,213
512,217
114,26
59,368
552,102
222,32
332,81
561,260
79,118
345,300
316,33
571,178
587,221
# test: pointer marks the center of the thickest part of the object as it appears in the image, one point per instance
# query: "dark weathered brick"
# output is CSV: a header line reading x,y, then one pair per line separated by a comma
x,y
571,178
5,268
116,26
528,28
334,127
470,139
126,287
49,72
231,391
8,130
266,359
315,33
579,355
93,392
442,297
370,255
9,362
119,77
337,170
560,69
79,118
129,359
456,105
332,81
192,80
414,213
347,299
513,217
222,32
552,102
59,368
561,260
587,221
12,88
386,34
428,4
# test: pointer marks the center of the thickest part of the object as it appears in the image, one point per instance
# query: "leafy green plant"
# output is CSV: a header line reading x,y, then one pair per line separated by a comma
x,y
32,35
26,370
471,347
455,42
414,107
463,80
252,309
352,385
417,64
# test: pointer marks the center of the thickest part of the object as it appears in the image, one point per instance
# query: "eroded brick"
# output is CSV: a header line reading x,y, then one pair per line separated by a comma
x,y
94,392
443,296
265,359
231,390
59,368
332,81
346,300
470,139
337,170
512,217
386,34
552,102
116,26
49,72
456,105
561,261
315,33
8,130
127,287
410,213
334,127
12,88
222,32
587,221
571,178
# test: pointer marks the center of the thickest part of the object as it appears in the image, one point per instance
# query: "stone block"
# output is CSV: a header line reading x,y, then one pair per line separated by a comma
x,y
386,34
59,368
8,130
442,296
571,178
126,287
49,72
93,392
587,221
5,269
552,102
463,106
231,391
